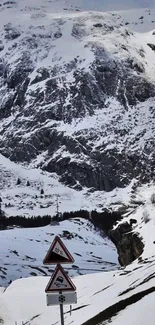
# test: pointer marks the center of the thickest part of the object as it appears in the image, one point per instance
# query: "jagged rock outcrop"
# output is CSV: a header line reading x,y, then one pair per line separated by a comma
x,y
129,244
80,113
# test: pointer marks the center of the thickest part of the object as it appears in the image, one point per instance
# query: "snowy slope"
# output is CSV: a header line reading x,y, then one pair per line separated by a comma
x,y
140,20
139,15
22,250
144,214
126,294
74,5
24,300
27,200
60,49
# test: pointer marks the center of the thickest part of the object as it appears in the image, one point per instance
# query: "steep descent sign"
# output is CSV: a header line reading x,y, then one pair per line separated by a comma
x,y
60,281
58,253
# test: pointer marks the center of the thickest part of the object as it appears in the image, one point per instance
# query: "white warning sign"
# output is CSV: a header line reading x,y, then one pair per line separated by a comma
x,y
60,281
58,253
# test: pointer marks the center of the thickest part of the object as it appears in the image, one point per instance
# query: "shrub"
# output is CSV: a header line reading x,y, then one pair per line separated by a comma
x,y
21,221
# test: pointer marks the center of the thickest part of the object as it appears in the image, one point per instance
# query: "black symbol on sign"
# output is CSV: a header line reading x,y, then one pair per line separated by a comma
x,y
58,251
61,298
59,282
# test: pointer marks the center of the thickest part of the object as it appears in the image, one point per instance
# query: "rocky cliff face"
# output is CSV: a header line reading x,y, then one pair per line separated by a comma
x,y
129,244
77,97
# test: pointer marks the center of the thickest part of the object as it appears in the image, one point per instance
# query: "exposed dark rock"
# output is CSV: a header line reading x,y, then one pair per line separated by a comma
x,y
43,74
1,47
58,34
6,106
11,32
19,100
17,76
46,102
133,221
9,3
152,46
98,25
129,244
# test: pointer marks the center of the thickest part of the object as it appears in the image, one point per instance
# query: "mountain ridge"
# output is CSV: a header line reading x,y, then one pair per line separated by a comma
x,y
76,113
77,130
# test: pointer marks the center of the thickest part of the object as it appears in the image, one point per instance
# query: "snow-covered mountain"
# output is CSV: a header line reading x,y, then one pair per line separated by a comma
x,y
77,5
77,92
77,127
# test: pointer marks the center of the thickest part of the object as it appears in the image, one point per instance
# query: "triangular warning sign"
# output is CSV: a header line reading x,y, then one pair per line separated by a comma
x,y
60,281
58,253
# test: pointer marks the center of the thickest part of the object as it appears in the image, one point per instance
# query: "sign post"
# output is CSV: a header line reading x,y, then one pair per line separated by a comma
x,y
60,289
62,314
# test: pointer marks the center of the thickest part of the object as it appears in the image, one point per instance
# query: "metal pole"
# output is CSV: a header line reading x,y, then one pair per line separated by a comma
x,y
62,314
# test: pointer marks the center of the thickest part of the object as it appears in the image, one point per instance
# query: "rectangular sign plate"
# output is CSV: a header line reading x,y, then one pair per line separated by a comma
x,y
66,298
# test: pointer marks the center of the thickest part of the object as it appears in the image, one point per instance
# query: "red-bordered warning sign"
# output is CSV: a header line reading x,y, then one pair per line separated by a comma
x,y
58,253
60,281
